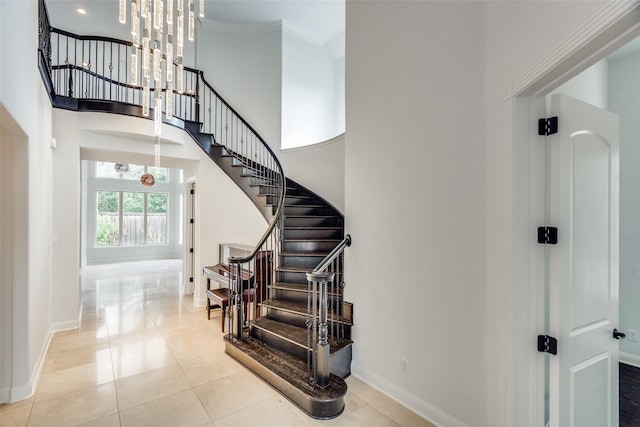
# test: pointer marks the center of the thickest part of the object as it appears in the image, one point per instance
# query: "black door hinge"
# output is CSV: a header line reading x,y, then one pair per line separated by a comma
x,y
547,344
191,279
191,250
193,191
191,221
548,235
548,126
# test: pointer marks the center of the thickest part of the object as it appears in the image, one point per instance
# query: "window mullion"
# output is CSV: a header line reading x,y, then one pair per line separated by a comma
x,y
145,216
120,217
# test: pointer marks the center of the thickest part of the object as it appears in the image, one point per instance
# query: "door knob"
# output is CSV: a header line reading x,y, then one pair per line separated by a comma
x,y
617,334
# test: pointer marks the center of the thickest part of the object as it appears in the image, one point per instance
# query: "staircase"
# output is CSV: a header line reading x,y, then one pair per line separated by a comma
x,y
288,325
276,344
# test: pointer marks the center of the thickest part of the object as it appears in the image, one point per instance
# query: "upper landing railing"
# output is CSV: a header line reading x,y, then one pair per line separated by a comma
x,y
91,72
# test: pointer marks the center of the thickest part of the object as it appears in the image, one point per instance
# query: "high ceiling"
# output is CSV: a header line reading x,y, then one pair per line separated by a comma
x,y
319,19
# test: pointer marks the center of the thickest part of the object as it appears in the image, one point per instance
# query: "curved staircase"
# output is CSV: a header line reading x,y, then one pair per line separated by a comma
x,y
278,342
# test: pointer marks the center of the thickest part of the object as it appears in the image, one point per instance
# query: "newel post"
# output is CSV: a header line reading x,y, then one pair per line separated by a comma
x,y
322,346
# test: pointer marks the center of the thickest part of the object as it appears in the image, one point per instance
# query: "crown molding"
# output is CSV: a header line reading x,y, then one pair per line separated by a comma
x,y
605,31
301,33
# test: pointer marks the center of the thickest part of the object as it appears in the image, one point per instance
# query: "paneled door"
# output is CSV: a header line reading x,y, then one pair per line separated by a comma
x,y
583,169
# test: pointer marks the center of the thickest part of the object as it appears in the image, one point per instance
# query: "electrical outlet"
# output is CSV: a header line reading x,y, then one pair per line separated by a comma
x,y
404,365
632,335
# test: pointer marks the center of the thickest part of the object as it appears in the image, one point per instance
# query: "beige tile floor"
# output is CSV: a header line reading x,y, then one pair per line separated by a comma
x,y
145,356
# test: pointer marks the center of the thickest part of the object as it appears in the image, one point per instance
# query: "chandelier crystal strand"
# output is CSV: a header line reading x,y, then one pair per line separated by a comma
x,y
169,100
122,11
157,114
180,47
146,52
157,52
169,44
157,152
133,78
169,12
135,21
192,21
180,77
157,63
146,99
158,14
135,35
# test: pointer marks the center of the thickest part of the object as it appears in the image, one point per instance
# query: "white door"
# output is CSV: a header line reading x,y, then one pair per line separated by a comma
x,y
583,265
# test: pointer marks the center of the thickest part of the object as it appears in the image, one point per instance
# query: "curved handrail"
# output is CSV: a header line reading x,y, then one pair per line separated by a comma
x,y
107,79
265,236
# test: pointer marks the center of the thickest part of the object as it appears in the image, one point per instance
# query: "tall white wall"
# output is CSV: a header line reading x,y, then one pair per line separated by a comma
x,y
624,100
415,202
26,116
319,167
308,92
244,64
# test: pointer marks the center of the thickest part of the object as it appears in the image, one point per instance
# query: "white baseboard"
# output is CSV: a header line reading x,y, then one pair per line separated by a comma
x,y
21,392
4,395
417,405
629,359
198,302
64,326
27,390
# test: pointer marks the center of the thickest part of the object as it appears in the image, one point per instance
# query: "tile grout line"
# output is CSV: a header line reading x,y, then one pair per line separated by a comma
x,y
113,369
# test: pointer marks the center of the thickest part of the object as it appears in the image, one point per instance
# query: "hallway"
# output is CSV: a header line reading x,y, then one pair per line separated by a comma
x,y
145,356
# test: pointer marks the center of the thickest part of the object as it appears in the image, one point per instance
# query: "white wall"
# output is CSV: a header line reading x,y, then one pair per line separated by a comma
x,y
590,86
624,100
319,167
308,92
244,64
340,94
91,136
26,105
13,256
415,203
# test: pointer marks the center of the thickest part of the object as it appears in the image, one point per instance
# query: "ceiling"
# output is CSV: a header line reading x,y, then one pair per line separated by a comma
x,y
320,20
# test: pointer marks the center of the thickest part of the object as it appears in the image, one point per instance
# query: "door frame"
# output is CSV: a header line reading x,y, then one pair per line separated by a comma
x,y
612,27
190,236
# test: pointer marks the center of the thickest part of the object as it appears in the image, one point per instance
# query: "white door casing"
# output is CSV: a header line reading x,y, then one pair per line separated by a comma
x,y
583,266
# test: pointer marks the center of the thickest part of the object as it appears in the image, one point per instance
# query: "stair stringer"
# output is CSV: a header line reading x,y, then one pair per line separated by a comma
x,y
226,161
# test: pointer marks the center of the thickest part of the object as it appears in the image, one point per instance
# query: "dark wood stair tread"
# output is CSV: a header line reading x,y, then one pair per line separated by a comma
x,y
295,307
313,254
295,334
299,287
289,375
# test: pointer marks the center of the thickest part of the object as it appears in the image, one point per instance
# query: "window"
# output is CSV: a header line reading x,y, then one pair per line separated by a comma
x,y
131,218
108,229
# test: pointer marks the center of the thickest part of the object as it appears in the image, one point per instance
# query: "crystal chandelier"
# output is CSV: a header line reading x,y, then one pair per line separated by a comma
x,y
152,31
153,38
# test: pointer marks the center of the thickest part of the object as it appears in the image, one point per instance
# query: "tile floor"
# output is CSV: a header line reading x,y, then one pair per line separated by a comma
x,y
145,356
